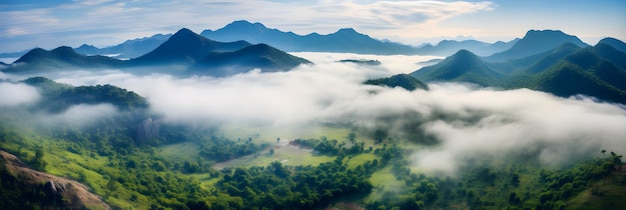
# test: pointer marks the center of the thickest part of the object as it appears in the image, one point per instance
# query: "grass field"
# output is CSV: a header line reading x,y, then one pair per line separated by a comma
x,y
384,181
609,194
180,152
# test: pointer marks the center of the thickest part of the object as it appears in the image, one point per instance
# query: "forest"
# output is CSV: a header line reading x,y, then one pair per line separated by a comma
x,y
135,163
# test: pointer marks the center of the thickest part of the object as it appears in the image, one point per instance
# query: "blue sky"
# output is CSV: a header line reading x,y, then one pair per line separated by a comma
x,y
30,23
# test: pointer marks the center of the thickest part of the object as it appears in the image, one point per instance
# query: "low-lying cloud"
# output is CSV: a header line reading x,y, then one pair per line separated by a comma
x,y
464,120
13,94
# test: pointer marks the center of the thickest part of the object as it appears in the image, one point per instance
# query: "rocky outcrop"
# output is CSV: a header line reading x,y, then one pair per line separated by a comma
x,y
74,194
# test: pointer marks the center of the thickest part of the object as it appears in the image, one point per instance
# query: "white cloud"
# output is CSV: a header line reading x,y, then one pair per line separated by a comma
x,y
80,115
476,120
17,94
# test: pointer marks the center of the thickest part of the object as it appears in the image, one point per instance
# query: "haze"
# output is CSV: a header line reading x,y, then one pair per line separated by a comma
x,y
479,120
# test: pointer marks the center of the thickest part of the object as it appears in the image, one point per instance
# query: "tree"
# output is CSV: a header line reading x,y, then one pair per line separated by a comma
x,y
271,152
351,137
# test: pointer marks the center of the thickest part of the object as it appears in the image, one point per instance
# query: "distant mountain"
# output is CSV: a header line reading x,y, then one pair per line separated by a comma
x,y
261,56
13,54
362,62
39,60
566,70
535,42
615,43
185,47
449,47
128,49
86,49
463,66
400,80
344,40
187,51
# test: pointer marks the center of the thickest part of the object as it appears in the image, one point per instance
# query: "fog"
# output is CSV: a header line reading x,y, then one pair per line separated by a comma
x,y
16,94
465,120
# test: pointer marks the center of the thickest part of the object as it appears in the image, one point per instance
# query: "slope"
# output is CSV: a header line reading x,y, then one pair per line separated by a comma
x,y
40,60
35,189
185,47
567,79
535,42
262,56
615,43
463,66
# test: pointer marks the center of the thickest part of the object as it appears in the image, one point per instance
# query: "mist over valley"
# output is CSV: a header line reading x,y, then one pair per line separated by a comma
x,y
252,117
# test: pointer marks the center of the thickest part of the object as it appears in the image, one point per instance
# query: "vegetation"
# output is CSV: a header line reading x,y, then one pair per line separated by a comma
x,y
131,173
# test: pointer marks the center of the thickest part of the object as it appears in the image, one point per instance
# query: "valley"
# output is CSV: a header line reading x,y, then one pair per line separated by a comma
x,y
251,117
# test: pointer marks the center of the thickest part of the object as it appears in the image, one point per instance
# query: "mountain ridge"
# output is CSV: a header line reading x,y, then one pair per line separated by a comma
x,y
535,42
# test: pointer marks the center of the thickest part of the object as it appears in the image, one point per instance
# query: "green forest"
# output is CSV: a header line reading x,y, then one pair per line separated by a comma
x,y
195,167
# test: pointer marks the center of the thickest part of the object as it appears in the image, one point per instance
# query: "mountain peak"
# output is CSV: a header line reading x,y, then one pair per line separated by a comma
x,y
243,26
347,30
615,43
184,32
535,42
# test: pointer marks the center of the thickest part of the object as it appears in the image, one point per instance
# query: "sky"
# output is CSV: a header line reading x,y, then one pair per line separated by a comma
x,y
48,24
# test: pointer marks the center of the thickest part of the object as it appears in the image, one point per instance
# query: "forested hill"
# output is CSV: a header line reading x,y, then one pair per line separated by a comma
x,y
566,70
58,97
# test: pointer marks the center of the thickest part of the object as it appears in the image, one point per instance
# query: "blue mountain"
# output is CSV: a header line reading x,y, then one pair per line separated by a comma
x,y
615,43
344,40
535,42
128,49
449,47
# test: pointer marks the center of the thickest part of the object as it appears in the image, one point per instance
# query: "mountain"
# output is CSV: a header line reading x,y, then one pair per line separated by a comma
x,y
86,49
535,42
57,97
400,80
615,43
39,60
344,40
185,47
463,66
128,49
567,79
262,56
449,47
566,70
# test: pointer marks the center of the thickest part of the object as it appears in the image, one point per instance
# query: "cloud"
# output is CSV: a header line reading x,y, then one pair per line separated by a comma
x,y
79,115
519,122
13,94
114,21
466,121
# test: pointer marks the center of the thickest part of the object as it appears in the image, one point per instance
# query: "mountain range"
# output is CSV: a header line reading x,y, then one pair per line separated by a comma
x,y
128,49
566,70
345,40
194,53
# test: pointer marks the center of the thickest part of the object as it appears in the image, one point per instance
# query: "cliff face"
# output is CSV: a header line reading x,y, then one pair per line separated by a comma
x,y
59,191
146,130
